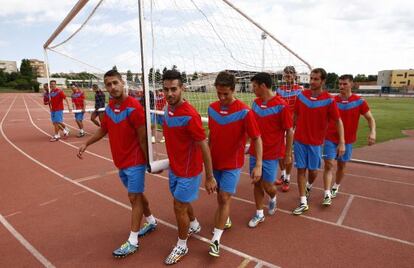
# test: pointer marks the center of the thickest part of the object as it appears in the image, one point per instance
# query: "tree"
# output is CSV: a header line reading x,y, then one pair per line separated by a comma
x,y
174,67
184,76
158,76
129,76
195,76
331,80
150,74
164,70
372,77
360,78
3,78
26,69
136,79
114,68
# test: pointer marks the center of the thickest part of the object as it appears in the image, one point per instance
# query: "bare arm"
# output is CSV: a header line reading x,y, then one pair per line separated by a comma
x,y
67,102
257,170
99,134
289,142
210,182
340,150
372,126
142,139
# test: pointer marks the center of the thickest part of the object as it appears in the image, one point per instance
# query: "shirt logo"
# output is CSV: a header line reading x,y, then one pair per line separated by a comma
x,y
313,98
170,113
263,106
224,112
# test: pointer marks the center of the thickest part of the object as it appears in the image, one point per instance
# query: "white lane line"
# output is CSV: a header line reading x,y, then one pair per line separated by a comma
x,y
379,179
97,176
48,202
345,210
286,211
13,214
80,192
206,240
259,265
10,228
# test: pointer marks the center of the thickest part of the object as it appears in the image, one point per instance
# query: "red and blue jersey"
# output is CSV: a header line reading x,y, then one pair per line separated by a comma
x,y
229,127
56,99
160,101
350,110
46,98
78,99
182,129
273,118
121,123
289,94
312,117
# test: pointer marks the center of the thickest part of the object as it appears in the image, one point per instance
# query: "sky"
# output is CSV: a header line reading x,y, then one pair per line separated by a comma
x,y
353,36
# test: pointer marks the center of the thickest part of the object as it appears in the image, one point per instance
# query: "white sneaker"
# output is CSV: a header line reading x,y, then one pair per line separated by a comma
x,y
194,230
66,132
256,220
153,139
162,139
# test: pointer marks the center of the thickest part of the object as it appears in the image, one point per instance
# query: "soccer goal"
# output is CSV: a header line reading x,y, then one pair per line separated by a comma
x,y
144,38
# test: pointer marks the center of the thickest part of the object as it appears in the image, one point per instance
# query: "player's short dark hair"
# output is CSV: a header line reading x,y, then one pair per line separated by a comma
x,y
225,79
320,71
262,78
113,73
349,77
173,75
52,81
289,69
95,86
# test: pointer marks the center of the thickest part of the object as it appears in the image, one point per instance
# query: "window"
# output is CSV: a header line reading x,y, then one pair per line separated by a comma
x,y
402,82
399,75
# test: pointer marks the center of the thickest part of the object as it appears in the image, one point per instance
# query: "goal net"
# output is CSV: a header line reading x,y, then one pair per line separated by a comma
x,y
198,38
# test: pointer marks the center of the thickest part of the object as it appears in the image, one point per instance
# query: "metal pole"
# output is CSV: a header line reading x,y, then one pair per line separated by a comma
x,y
47,72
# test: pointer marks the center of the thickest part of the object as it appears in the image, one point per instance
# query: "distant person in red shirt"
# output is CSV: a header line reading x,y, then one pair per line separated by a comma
x,y
124,122
78,102
350,106
289,92
158,119
313,110
275,122
230,122
56,110
187,149
46,100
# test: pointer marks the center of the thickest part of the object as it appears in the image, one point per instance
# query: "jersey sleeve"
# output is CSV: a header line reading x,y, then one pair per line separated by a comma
x,y
104,123
196,129
137,117
364,108
252,127
62,94
333,113
287,118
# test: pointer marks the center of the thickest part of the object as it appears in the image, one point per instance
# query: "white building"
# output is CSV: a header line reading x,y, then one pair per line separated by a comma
x,y
8,66
303,78
60,82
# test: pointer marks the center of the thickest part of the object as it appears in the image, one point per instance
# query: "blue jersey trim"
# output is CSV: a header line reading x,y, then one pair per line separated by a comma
x,y
118,117
227,119
314,104
268,111
350,105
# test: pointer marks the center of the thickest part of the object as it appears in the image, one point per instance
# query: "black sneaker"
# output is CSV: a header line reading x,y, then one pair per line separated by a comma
x,y
214,249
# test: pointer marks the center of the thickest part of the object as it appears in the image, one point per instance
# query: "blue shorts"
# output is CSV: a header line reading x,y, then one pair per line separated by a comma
x,y
269,168
133,178
56,116
227,180
158,118
329,151
184,189
79,116
307,156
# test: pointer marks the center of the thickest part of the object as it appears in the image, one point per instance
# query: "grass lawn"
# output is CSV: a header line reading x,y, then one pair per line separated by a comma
x,y
11,90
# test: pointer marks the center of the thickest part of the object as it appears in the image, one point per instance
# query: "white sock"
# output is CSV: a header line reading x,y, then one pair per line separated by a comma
x,y
283,172
182,243
56,136
133,238
81,130
217,235
66,130
308,185
194,224
287,177
327,193
259,213
273,199
303,200
151,219
335,186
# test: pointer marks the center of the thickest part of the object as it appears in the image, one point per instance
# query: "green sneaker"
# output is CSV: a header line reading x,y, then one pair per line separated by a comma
x,y
334,192
125,250
300,209
327,201
214,249
147,228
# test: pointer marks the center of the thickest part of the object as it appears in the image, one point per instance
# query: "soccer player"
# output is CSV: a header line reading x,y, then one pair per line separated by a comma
x,y
99,104
56,110
124,122
187,148
289,92
46,100
230,122
78,102
275,122
350,106
313,110
158,119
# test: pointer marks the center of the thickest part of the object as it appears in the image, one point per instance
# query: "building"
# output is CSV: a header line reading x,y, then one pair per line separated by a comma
x,y
39,67
303,78
8,66
60,82
398,79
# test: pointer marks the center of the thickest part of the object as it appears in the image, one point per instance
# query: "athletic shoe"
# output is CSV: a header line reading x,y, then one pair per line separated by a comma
x,y
147,228
176,254
334,192
125,250
300,209
153,139
327,201
162,139
54,138
81,134
279,181
194,230
66,132
307,192
228,224
272,207
214,249
285,186
256,220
